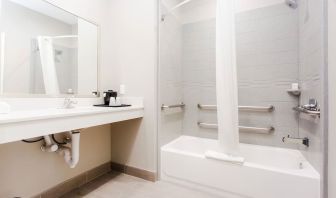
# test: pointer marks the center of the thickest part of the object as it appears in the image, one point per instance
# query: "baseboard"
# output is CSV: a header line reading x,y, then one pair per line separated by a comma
x,y
76,182
136,172
84,178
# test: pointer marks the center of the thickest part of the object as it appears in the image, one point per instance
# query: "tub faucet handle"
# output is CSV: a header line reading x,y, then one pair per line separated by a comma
x,y
68,103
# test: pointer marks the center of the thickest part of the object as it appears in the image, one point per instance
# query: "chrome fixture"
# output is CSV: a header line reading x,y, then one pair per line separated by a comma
x,y
243,129
312,105
96,93
311,108
181,105
69,103
256,129
163,16
288,139
207,107
292,3
48,145
207,125
270,108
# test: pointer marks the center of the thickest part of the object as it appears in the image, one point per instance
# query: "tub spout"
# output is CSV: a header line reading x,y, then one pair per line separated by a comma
x,y
71,155
288,139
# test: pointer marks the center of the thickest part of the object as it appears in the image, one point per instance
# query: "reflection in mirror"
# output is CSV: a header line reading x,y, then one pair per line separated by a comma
x,y
46,50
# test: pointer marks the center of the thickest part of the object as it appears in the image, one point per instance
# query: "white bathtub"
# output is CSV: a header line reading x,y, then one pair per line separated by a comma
x,y
268,172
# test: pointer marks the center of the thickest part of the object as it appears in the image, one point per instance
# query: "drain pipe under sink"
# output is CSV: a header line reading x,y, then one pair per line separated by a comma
x,y
48,146
71,155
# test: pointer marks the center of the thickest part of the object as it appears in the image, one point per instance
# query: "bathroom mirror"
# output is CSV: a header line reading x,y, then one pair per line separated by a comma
x,y
46,51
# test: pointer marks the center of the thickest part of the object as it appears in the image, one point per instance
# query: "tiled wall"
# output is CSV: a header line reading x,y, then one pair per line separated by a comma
x,y
171,88
276,46
311,49
199,75
267,62
267,57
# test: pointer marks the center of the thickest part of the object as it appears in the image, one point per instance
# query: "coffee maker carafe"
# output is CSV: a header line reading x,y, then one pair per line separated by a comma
x,y
107,96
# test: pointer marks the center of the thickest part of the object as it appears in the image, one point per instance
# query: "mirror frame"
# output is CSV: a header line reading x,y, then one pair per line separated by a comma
x,y
98,91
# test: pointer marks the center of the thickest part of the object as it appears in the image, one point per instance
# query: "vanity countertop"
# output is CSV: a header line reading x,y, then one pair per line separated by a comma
x,y
26,124
50,113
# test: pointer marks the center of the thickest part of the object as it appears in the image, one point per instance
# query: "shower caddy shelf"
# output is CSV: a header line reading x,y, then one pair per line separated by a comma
x,y
306,111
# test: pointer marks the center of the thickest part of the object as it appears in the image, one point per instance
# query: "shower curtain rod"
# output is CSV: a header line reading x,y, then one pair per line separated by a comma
x,y
179,5
174,8
64,36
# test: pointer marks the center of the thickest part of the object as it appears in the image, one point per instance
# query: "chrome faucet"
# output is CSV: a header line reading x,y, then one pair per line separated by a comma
x,y
69,103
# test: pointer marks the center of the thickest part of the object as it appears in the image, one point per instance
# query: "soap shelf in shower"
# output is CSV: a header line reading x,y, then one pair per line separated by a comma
x,y
306,111
294,92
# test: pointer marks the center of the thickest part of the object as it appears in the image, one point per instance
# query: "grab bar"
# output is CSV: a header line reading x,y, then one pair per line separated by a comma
x,y
256,129
257,108
163,107
207,107
241,128
241,108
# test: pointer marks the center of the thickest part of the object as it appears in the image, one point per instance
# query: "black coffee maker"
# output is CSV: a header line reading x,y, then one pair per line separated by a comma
x,y
107,96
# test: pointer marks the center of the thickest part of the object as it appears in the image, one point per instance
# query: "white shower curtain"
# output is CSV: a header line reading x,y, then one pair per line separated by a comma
x,y
50,80
226,78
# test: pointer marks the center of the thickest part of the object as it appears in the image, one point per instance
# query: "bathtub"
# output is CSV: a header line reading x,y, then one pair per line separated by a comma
x,y
268,172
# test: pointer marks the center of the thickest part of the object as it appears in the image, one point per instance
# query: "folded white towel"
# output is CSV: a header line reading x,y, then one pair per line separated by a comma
x,y
4,108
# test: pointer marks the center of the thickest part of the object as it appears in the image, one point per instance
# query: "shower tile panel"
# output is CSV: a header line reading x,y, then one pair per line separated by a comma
x,y
311,47
267,64
199,75
171,84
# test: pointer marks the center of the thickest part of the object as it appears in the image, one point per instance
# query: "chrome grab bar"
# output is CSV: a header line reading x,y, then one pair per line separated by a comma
x,y
270,108
207,125
163,107
241,128
207,107
256,129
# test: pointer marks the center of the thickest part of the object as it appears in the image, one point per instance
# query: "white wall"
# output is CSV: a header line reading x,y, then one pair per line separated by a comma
x,y
332,98
133,40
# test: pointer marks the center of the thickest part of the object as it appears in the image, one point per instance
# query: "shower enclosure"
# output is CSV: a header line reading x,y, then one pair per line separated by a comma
x,y
264,62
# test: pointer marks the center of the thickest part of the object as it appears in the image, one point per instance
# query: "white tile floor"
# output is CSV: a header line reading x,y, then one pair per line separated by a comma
x,y
117,185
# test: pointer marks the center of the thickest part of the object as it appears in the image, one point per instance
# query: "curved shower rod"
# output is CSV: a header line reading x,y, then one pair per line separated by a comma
x,y
174,8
